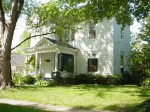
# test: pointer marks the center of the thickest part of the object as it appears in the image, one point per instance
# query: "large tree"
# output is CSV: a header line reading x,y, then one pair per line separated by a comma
x,y
6,35
10,11
140,56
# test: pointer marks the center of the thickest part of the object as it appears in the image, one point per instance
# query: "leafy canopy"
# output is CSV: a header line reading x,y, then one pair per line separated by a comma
x,y
140,56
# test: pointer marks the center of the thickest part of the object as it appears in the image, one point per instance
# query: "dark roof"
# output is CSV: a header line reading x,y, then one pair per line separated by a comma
x,y
17,59
64,44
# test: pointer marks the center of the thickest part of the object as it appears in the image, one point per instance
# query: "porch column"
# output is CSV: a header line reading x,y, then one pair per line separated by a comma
x,y
56,61
36,63
40,62
75,63
26,65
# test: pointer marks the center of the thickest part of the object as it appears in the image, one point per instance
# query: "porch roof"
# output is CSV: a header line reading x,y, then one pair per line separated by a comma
x,y
50,45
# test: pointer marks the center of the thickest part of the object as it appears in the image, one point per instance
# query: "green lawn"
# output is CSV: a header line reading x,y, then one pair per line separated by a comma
x,y
114,98
13,108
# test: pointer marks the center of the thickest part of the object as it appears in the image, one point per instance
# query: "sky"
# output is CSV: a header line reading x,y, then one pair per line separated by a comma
x,y
22,24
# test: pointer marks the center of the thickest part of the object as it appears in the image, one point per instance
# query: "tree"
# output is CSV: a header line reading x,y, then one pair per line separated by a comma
x,y
140,56
26,44
6,33
120,9
10,11
54,16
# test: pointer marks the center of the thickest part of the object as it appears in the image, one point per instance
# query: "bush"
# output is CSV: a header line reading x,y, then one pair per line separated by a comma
x,y
84,79
38,76
18,78
100,79
114,79
29,79
45,83
57,77
41,83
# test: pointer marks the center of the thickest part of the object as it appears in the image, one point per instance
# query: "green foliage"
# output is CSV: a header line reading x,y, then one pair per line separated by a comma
x,y
121,10
45,83
41,83
89,79
38,76
29,79
140,56
54,17
26,44
57,77
31,62
17,78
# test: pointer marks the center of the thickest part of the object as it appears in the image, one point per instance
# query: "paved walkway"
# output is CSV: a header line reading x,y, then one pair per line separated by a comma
x,y
44,107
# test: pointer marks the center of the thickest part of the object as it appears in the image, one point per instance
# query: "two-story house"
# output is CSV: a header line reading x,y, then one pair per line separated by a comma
x,y
101,48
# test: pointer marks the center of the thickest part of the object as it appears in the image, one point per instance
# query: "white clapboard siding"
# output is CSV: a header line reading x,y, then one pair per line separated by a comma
x,y
121,44
107,45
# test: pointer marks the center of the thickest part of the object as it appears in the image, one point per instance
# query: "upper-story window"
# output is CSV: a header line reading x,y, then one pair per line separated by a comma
x,y
92,31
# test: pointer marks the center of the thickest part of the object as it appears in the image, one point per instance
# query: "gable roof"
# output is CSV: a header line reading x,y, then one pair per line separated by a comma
x,y
64,44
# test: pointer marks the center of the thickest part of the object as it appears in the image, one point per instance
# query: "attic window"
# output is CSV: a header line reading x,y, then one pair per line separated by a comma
x,y
92,31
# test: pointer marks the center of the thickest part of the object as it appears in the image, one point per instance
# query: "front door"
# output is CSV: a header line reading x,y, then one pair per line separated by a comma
x,y
47,64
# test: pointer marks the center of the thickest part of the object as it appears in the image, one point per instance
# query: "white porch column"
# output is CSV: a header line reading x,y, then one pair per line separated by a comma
x,y
56,61
26,65
36,63
40,63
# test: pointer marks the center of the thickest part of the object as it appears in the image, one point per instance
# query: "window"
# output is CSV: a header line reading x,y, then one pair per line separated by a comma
x,y
92,65
122,62
66,62
122,36
92,32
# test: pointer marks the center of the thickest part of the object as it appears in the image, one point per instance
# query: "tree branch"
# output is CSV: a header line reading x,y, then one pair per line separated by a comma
x,y
16,10
30,38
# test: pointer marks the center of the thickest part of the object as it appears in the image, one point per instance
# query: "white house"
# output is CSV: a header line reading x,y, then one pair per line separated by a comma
x,y
100,49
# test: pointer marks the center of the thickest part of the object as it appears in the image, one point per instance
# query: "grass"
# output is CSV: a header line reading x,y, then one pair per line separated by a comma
x,y
13,108
98,97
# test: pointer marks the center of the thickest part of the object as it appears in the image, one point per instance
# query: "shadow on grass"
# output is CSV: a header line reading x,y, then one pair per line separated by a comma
x,y
101,90
143,107
14,108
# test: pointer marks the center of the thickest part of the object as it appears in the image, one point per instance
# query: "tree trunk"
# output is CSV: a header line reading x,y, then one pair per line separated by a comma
x,y
6,36
6,57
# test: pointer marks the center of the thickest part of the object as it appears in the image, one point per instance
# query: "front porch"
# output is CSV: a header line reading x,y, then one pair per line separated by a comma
x,y
50,57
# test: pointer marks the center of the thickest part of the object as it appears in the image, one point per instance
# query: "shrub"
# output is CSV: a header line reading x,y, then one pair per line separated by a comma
x,y
52,83
38,76
68,80
100,79
41,83
45,83
114,79
57,77
29,79
84,79
18,78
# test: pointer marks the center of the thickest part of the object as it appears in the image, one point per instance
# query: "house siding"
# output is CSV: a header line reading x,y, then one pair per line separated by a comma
x,y
108,45
102,46
121,44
